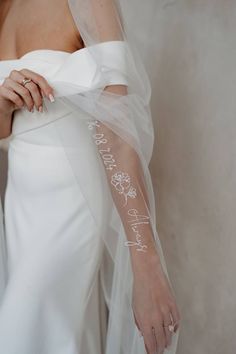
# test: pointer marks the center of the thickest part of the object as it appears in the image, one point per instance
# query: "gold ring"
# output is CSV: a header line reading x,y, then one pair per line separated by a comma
x,y
25,81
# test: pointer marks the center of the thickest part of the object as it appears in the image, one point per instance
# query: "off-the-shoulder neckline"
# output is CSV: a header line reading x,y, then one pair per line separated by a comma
x,y
62,52
35,51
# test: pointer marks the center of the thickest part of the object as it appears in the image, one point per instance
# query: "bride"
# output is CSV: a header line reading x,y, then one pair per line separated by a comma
x,y
85,273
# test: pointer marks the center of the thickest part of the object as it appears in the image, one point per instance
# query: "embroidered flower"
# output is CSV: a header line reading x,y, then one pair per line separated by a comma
x,y
132,192
122,183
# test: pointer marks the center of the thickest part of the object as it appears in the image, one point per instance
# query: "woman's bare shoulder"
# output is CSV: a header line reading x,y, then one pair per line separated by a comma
x,y
49,25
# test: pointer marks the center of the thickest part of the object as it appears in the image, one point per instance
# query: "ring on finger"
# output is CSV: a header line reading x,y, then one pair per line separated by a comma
x,y
25,81
171,327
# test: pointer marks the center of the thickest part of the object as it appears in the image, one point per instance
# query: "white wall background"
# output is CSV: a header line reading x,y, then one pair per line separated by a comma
x,y
193,73
194,165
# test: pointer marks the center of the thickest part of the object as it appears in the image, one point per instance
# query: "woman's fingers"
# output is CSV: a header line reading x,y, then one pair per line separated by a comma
x,y
35,94
150,340
154,326
157,337
11,96
175,316
154,340
160,337
33,90
40,81
168,333
20,90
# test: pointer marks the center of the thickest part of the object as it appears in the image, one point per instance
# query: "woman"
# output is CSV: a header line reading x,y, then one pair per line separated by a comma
x,y
76,103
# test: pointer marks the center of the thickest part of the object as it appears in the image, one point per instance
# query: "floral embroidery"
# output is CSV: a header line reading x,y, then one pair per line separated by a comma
x,y
122,183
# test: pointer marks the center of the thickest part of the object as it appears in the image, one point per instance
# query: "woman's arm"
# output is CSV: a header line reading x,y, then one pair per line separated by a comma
x,y
153,301
140,239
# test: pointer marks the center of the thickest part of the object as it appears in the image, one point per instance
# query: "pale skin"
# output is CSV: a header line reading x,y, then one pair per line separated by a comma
x,y
153,303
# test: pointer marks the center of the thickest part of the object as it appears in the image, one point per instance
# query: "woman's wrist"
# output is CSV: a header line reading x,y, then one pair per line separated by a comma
x,y
143,264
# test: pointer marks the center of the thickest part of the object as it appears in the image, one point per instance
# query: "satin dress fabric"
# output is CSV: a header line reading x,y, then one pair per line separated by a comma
x,y
54,247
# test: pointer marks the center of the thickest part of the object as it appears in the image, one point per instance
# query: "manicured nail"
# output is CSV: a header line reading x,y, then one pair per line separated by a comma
x,y
41,109
51,98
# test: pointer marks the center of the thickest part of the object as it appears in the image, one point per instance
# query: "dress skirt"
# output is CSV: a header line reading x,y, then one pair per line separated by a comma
x,y
53,302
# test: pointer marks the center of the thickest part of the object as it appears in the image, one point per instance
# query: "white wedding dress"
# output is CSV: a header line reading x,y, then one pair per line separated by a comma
x,y
54,249
65,243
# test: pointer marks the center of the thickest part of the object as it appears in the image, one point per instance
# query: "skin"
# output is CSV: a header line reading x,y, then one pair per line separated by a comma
x,y
153,302
18,37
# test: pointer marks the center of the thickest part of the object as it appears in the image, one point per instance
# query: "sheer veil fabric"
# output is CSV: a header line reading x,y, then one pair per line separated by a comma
x,y
115,100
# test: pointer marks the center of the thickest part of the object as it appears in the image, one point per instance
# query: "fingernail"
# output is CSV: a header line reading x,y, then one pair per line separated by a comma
x,y
41,109
32,110
51,98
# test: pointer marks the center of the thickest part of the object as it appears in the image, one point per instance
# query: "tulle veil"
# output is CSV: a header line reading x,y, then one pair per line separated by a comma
x,y
113,49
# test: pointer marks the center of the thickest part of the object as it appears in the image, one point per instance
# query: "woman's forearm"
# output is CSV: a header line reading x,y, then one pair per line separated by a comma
x,y
5,125
126,179
127,182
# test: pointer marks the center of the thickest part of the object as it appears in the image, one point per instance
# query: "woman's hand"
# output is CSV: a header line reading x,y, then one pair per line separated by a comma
x,y
14,95
154,307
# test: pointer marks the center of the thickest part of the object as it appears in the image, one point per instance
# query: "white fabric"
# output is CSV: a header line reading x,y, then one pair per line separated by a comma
x,y
54,248
79,68
42,149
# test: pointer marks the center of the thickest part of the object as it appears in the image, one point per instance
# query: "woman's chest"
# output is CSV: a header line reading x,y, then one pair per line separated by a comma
x,y
29,25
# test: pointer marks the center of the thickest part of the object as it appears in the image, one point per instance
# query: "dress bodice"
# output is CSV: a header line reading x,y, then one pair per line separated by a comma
x,y
70,73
